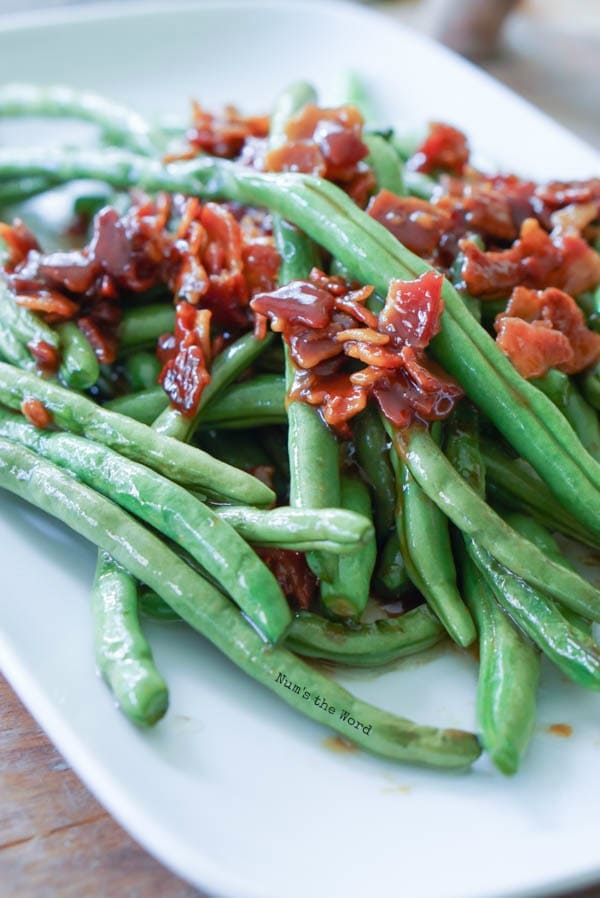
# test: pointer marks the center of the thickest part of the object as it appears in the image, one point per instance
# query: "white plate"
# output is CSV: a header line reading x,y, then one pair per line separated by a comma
x,y
233,790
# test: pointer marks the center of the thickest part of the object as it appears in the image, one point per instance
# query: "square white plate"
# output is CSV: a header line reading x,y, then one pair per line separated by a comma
x,y
233,790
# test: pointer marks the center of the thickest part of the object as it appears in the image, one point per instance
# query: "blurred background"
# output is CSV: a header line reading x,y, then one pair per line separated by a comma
x,y
546,50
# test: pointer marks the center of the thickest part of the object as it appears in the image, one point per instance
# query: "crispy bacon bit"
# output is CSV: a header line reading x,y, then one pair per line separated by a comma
x,y
413,310
260,261
493,207
293,574
532,348
536,259
185,357
19,241
417,224
327,143
206,257
545,329
55,306
104,343
324,321
444,148
46,356
224,134
36,413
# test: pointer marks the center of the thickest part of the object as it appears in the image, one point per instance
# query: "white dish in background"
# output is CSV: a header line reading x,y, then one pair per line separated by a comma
x,y
233,790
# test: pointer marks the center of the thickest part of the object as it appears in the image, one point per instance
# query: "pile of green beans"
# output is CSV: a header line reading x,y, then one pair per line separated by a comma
x,y
448,525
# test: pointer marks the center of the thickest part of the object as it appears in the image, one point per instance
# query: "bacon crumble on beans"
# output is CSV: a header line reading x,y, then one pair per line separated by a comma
x,y
543,329
325,322
202,253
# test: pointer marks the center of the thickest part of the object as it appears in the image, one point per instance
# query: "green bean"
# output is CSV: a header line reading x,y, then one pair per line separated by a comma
x,y
13,351
151,605
406,143
525,416
226,368
122,653
543,539
348,593
143,325
354,92
253,403
120,125
143,370
573,651
371,444
514,484
22,189
509,673
238,449
538,534
274,442
590,385
24,324
312,448
79,367
364,645
335,530
314,468
418,184
560,389
80,415
391,577
171,510
469,512
509,670
426,542
385,164
354,645
144,406
210,613
88,203
288,103
248,404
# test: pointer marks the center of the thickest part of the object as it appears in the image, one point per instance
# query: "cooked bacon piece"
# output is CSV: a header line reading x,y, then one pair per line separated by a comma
x,y
444,148
338,398
327,143
536,259
293,574
102,339
227,293
299,302
185,356
558,194
413,309
36,413
573,219
336,132
417,224
260,262
323,321
540,330
55,306
46,356
299,156
532,348
19,241
208,260
224,134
